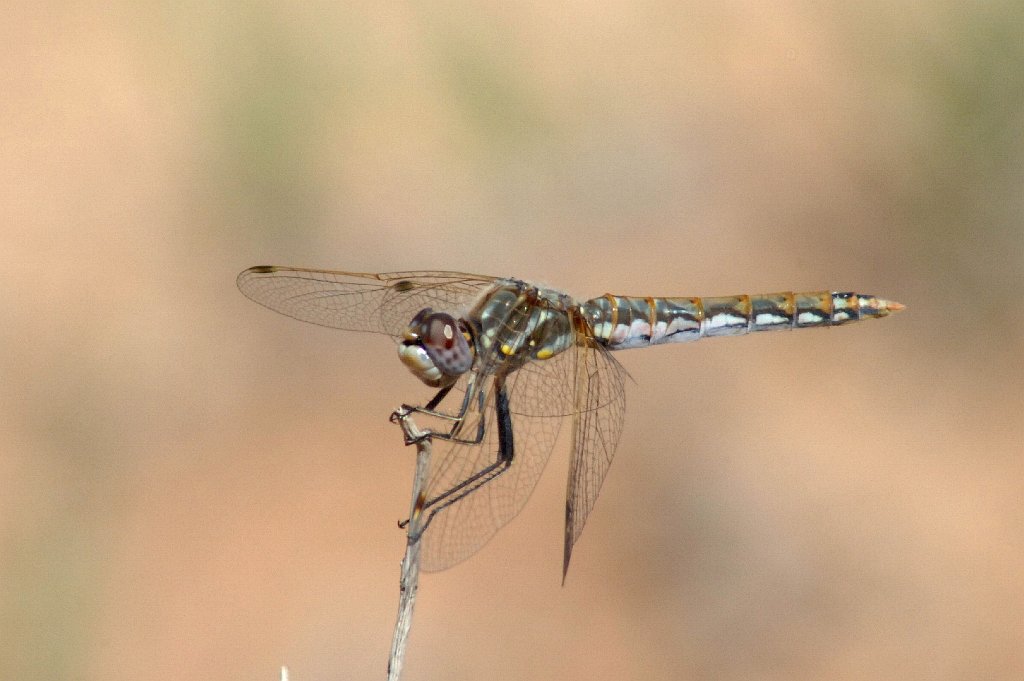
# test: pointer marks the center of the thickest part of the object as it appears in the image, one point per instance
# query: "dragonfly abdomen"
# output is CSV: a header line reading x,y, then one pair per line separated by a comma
x,y
621,322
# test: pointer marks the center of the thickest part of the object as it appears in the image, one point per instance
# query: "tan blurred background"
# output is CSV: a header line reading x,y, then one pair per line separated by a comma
x,y
193,487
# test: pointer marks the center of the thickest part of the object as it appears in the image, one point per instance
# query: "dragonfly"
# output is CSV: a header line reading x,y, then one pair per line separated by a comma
x,y
510,361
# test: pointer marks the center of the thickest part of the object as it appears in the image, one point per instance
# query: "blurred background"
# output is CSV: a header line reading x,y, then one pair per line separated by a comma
x,y
194,487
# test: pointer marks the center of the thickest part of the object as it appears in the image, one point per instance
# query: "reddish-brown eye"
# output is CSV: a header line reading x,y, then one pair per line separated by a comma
x,y
442,332
445,344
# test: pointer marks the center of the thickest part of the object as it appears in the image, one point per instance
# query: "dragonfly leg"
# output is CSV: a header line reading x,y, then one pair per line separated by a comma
x,y
436,399
430,409
506,452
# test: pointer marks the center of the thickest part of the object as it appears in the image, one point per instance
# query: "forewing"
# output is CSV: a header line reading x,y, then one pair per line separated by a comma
x,y
378,303
460,530
597,425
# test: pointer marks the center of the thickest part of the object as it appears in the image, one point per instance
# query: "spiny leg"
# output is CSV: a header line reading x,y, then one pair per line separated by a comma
x,y
430,409
506,453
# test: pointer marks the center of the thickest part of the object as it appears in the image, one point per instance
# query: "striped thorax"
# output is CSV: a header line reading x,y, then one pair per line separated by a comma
x,y
517,322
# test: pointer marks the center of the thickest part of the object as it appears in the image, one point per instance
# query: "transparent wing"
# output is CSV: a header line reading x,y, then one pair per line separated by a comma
x,y
378,303
539,393
601,406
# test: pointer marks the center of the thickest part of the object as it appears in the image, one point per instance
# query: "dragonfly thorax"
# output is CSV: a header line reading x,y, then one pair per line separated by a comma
x,y
435,348
518,322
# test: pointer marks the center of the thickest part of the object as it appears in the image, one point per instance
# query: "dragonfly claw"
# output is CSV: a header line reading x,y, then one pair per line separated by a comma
x,y
400,414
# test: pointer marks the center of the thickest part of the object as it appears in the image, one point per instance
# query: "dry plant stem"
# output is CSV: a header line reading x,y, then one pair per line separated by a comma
x,y
409,582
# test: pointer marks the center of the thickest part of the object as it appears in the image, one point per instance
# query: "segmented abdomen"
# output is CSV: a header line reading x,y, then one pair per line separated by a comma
x,y
626,322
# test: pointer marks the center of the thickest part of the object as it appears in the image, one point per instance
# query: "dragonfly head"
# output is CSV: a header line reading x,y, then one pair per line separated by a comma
x,y
436,348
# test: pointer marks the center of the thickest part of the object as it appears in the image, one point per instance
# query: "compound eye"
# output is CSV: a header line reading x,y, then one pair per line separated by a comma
x,y
443,340
441,331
